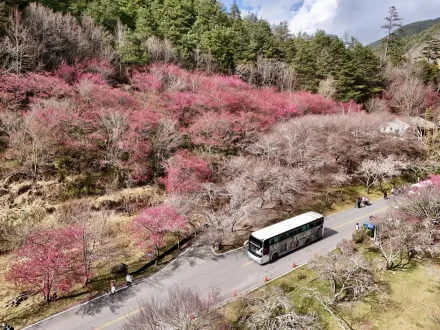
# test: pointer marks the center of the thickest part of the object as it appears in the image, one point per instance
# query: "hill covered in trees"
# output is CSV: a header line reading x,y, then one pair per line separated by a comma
x,y
200,35
116,115
410,31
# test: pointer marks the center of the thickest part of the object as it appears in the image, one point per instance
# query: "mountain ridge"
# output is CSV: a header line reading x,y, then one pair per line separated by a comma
x,y
410,30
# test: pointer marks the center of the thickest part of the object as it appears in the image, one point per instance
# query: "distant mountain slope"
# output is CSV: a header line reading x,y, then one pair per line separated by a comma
x,y
411,30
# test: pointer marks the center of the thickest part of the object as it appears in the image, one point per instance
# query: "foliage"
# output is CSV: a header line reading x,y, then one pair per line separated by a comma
x,y
197,35
359,236
185,173
49,262
154,223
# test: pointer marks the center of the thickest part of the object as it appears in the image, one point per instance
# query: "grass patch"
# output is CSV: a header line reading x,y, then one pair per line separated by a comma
x,y
343,198
410,303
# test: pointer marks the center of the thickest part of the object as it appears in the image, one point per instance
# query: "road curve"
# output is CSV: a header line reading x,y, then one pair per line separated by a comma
x,y
199,267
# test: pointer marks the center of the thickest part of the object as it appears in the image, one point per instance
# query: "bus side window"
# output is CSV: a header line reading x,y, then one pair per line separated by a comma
x,y
266,247
303,228
274,240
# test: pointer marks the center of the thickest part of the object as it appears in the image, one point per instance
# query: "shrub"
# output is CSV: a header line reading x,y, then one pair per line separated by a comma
x,y
359,236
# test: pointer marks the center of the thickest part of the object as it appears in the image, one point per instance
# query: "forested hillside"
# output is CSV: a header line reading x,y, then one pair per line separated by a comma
x,y
410,31
199,35
128,125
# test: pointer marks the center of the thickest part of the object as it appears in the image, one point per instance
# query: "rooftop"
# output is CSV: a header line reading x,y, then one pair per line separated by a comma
x,y
286,225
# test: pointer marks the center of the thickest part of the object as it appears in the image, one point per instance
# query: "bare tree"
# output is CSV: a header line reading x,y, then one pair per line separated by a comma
x,y
271,309
268,72
374,171
41,39
375,105
327,87
347,271
184,308
165,140
349,275
409,97
160,50
18,49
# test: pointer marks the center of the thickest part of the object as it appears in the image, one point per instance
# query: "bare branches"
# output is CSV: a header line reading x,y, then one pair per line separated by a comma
x,y
267,72
184,308
42,39
348,272
374,171
272,310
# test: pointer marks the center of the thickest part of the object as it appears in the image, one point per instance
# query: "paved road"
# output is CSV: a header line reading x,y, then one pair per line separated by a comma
x,y
201,268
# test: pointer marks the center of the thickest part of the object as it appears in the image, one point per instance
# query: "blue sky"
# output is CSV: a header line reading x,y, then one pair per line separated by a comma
x,y
359,18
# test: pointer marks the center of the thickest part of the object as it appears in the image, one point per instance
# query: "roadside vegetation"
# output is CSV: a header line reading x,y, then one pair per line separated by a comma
x,y
371,284
118,139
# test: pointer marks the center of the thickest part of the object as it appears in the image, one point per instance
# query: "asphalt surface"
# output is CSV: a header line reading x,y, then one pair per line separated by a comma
x,y
201,268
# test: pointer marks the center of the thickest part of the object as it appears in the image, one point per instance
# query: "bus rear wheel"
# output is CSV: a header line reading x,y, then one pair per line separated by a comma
x,y
274,256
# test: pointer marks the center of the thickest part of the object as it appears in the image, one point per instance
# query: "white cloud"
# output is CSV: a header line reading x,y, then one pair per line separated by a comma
x,y
360,18
313,15
274,11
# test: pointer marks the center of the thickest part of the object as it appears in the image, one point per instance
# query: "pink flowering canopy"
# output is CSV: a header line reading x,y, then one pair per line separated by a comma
x,y
49,261
185,173
154,223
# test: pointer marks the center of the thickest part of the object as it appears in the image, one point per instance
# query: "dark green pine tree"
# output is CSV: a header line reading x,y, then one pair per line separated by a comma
x,y
261,41
360,76
432,50
235,12
305,64
175,22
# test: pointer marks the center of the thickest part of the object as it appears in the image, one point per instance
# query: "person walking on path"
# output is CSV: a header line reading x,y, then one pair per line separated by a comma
x,y
129,279
357,226
112,287
385,194
393,190
358,201
7,327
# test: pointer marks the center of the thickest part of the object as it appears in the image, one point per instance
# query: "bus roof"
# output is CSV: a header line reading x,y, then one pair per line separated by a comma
x,y
286,225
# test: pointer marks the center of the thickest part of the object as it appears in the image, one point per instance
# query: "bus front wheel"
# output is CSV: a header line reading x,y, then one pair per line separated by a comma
x,y
274,256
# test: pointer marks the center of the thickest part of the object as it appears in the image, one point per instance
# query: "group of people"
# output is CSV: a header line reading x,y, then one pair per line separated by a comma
x,y
128,279
7,327
359,201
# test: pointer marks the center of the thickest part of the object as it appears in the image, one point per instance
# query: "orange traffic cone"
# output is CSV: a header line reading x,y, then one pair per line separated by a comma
x,y
266,279
235,294
294,265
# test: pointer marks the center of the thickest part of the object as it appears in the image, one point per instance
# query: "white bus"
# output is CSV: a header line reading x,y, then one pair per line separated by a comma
x,y
272,242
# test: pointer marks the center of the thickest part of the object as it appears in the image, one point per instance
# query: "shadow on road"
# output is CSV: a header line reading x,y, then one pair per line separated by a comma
x,y
329,232
112,302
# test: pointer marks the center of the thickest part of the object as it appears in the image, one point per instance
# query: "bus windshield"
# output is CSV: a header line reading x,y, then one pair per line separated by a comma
x,y
255,246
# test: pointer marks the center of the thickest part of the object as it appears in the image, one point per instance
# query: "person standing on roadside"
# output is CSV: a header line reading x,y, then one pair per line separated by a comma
x,y
112,287
385,194
129,279
357,226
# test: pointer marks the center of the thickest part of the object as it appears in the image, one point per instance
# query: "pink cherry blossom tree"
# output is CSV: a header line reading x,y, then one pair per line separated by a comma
x,y
49,262
150,228
185,173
